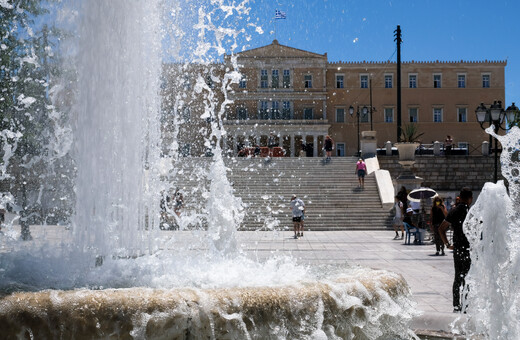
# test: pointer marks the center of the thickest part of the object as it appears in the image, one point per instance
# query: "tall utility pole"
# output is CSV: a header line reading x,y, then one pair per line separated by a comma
x,y
398,40
370,83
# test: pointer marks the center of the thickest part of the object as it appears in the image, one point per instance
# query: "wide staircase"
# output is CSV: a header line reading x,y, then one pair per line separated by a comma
x,y
330,192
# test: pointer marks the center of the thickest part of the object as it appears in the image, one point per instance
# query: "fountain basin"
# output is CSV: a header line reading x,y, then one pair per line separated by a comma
x,y
374,304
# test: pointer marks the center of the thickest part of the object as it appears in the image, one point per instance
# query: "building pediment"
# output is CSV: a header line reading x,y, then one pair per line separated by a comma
x,y
275,50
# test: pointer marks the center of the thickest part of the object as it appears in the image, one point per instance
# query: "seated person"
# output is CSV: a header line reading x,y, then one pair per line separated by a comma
x,y
413,228
408,219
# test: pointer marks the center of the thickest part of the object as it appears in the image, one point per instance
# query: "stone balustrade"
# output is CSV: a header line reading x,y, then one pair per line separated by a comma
x,y
442,173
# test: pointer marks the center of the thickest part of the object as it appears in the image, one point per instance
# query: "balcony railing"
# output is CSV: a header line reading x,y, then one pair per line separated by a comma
x,y
276,122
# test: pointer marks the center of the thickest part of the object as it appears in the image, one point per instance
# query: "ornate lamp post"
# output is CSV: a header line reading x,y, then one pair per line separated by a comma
x,y
351,111
495,115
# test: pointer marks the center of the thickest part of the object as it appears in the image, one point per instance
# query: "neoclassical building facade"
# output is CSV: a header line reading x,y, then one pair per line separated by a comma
x,y
300,97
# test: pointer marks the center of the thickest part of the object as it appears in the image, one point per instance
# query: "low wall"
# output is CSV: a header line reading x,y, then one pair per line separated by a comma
x,y
442,173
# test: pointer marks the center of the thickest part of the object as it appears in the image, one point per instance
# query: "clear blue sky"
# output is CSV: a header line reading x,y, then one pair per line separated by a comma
x,y
357,30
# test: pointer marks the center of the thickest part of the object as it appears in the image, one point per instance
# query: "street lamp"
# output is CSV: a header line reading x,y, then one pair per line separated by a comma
x,y
495,115
351,111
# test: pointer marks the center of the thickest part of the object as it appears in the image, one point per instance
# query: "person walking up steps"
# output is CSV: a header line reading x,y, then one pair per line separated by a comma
x,y
298,208
329,146
361,170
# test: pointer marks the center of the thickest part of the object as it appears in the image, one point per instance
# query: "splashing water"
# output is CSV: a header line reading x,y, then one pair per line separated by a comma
x,y
493,230
116,242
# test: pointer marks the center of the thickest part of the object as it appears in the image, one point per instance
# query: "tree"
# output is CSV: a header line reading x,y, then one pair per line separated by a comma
x,y
28,69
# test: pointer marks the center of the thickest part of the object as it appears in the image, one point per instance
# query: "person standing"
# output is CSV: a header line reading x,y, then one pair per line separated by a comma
x,y
461,253
303,150
298,209
329,146
361,170
403,196
179,202
398,219
448,144
437,215
165,204
257,151
2,215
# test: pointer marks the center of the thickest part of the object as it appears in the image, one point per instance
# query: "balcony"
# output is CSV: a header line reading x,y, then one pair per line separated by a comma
x,y
253,122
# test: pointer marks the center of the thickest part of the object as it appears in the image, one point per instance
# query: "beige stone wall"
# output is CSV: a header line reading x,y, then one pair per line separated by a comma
x,y
424,98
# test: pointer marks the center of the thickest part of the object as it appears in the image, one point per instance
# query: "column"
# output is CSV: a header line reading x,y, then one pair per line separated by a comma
x,y
235,145
315,148
291,142
257,140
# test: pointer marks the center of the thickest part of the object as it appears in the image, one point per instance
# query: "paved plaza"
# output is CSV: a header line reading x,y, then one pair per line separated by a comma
x,y
430,277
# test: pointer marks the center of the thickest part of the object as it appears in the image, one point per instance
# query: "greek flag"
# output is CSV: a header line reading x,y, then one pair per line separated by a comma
x,y
279,15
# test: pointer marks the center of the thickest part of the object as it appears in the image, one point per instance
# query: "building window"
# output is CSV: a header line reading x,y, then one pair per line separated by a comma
x,y
275,79
412,80
185,114
209,81
363,80
462,114
164,81
340,81
241,113
437,81
485,80
275,110
286,79
364,118
185,150
461,81
437,115
264,110
286,110
413,114
388,81
263,79
242,84
389,115
308,81
307,113
340,115
186,82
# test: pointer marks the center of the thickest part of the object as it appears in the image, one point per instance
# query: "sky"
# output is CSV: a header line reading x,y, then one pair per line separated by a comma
x,y
357,30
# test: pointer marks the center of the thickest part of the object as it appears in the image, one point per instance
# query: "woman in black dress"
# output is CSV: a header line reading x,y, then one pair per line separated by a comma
x,y
329,146
438,214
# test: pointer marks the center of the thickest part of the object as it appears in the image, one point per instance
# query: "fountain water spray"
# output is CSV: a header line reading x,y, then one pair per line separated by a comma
x,y
145,287
493,230
116,131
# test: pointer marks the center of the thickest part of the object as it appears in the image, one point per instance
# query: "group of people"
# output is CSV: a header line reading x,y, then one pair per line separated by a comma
x,y
441,220
257,151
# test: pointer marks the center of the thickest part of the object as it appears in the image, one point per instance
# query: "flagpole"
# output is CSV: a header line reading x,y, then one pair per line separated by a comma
x,y
275,28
